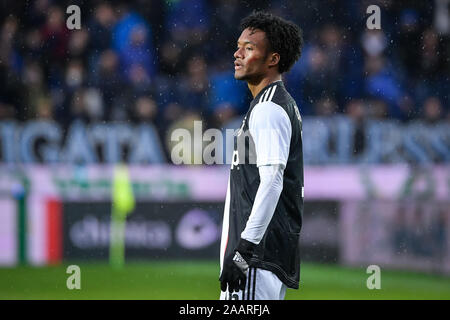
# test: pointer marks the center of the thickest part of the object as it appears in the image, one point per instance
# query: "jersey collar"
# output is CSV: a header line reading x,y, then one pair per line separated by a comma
x,y
256,99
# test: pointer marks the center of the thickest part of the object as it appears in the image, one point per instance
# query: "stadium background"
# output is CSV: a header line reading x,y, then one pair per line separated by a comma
x,y
73,103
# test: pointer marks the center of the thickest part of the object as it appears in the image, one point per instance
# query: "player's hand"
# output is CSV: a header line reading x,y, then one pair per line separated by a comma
x,y
234,273
235,266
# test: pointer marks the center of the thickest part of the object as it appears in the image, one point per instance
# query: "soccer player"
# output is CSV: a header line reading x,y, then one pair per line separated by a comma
x,y
259,255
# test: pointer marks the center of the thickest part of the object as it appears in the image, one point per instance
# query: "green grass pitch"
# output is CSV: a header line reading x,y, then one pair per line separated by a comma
x,y
186,280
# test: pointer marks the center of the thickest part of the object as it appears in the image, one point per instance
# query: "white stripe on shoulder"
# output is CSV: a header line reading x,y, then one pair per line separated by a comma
x,y
272,93
266,95
261,99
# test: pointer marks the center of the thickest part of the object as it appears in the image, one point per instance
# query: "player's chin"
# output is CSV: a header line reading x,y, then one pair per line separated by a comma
x,y
239,75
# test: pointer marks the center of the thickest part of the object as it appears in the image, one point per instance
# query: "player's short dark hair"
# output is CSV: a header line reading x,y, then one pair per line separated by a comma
x,y
284,37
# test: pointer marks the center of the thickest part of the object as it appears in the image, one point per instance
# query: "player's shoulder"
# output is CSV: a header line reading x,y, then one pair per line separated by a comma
x,y
277,95
274,97
269,112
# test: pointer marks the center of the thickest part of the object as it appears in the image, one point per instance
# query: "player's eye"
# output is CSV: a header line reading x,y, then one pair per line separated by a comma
x,y
249,48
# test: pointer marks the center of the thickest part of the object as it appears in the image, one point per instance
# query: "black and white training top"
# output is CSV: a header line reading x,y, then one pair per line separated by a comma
x,y
264,201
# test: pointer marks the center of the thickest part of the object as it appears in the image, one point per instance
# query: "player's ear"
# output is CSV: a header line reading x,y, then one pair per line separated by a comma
x,y
274,59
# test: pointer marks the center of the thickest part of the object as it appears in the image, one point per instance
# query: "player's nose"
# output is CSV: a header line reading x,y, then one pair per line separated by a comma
x,y
238,54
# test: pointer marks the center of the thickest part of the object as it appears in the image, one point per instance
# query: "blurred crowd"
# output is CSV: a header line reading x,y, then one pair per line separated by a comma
x,y
167,62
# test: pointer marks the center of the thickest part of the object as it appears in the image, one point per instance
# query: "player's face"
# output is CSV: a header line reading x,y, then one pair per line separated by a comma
x,y
251,55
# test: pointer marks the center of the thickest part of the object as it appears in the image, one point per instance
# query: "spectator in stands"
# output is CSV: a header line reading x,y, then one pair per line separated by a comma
x,y
228,97
430,58
382,83
100,28
108,80
144,110
432,110
8,38
33,46
11,88
193,89
319,80
35,14
55,37
356,110
35,87
73,82
172,59
432,78
377,108
74,75
408,46
188,21
77,108
137,54
132,39
326,107
44,108
225,16
407,107
331,42
6,111
77,47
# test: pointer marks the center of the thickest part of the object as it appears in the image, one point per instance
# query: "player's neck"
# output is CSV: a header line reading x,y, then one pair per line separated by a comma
x,y
256,88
